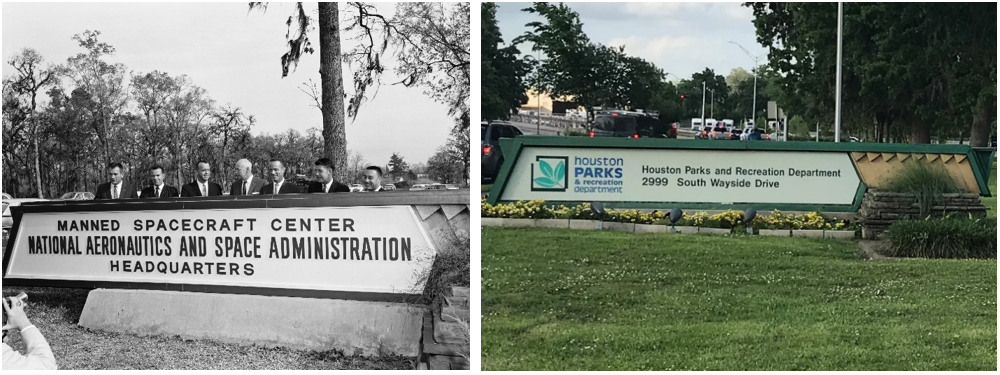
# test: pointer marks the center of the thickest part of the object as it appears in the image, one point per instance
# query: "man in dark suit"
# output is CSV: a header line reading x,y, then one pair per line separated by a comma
x,y
201,187
278,183
247,184
159,189
323,172
372,179
116,189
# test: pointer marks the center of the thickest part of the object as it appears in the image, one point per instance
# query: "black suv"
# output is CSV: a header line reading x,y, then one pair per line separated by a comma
x,y
490,146
614,124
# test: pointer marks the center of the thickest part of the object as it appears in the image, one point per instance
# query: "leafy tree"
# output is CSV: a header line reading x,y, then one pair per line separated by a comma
x,y
904,63
503,88
30,79
434,53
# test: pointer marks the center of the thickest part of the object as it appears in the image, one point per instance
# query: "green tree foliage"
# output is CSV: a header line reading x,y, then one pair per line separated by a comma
x,y
589,73
911,70
503,88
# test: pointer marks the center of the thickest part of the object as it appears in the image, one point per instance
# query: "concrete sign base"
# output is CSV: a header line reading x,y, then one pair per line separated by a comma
x,y
354,327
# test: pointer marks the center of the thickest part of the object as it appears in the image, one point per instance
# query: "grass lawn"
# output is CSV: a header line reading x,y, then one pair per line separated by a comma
x,y
991,202
556,299
55,311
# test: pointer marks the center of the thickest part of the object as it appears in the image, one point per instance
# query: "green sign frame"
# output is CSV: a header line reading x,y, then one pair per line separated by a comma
x,y
980,159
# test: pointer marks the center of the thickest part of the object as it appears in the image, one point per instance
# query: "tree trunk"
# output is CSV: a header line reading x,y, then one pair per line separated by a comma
x,y
38,169
980,135
332,82
920,131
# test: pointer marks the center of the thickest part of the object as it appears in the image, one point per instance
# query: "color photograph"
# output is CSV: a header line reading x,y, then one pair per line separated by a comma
x,y
738,186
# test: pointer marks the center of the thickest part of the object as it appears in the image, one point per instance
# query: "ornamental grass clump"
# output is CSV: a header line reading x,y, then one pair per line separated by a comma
x,y
926,182
949,237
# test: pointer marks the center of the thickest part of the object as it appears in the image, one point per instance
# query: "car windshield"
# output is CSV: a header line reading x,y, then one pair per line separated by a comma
x,y
68,196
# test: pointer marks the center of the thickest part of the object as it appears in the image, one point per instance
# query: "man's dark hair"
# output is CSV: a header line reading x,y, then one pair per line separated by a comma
x,y
155,167
116,165
202,161
325,162
276,160
376,169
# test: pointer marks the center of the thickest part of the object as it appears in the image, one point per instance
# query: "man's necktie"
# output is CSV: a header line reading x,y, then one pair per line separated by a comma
x,y
114,191
245,183
157,191
204,190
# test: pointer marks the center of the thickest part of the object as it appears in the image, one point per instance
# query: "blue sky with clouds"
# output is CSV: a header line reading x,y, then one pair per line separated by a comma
x,y
680,38
235,55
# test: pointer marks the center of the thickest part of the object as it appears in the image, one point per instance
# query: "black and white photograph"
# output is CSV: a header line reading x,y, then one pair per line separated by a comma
x,y
236,186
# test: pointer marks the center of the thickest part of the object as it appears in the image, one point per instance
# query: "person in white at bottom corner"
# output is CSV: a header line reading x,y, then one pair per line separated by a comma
x,y
39,355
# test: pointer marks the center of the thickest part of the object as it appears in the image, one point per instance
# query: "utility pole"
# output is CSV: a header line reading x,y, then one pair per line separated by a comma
x,y
840,60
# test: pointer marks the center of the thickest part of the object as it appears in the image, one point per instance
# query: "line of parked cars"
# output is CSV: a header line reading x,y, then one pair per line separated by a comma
x,y
9,201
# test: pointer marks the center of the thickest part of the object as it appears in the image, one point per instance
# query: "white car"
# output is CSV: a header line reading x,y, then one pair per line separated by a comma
x,y
8,202
355,188
418,187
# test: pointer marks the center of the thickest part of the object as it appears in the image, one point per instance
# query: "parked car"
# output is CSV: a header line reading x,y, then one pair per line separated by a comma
x,y
302,182
418,187
492,155
389,187
436,187
450,187
77,196
8,202
357,188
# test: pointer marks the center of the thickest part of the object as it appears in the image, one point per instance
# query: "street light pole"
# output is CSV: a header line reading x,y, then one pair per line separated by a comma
x,y
538,126
840,48
756,67
713,102
703,104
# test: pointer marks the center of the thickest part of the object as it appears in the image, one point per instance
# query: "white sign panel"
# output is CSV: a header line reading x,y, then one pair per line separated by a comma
x,y
696,176
355,249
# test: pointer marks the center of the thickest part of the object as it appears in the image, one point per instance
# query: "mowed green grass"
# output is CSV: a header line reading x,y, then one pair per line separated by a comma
x,y
556,299
991,202
55,311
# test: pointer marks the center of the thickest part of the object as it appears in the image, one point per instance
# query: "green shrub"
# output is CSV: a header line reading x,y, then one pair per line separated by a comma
x,y
925,181
451,267
949,237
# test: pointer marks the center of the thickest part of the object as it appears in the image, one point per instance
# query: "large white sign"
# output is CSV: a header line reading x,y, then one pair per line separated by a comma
x,y
702,176
356,249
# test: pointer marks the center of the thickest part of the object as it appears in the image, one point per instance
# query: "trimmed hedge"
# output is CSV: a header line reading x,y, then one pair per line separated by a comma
x,y
951,238
537,209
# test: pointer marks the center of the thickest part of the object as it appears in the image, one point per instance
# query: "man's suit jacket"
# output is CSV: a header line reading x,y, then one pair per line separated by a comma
x,y
166,192
104,191
193,190
255,185
287,187
317,187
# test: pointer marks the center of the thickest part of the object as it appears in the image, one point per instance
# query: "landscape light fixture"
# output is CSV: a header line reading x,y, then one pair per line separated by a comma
x,y
675,215
748,217
598,209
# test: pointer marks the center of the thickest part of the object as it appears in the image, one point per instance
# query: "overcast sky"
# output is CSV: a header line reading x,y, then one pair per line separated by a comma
x,y
236,57
680,38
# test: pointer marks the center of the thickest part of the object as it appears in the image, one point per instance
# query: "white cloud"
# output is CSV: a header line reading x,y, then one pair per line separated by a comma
x,y
655,49
668,10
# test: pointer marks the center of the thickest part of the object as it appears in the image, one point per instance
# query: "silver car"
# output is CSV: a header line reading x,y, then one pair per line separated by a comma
x,y
8,202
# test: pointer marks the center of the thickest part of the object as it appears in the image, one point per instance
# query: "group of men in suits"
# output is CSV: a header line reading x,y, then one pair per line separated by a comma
x,y
247,184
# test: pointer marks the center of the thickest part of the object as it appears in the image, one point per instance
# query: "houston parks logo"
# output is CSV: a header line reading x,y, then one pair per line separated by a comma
x,y
548,173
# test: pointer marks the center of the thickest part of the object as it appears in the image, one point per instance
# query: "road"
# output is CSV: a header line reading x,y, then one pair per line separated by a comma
x,y
533,129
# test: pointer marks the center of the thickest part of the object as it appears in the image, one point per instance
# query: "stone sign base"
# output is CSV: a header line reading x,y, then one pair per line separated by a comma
x,y
353,327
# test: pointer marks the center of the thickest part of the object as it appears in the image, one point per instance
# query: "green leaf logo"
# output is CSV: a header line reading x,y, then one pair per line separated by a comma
x,y
551,177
